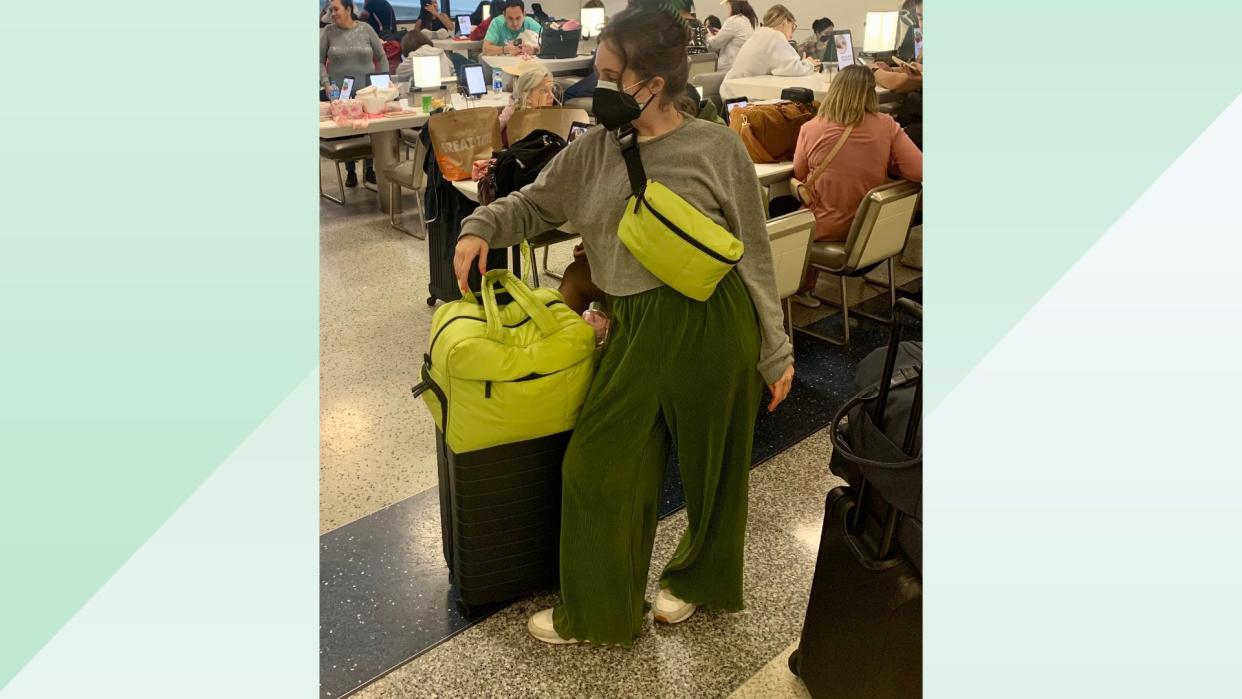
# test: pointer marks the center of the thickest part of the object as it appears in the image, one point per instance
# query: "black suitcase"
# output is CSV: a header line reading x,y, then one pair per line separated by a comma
x,y
500,518
443,209
863,634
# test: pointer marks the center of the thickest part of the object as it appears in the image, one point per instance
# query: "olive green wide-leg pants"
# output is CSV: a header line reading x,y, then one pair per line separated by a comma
x,y
672,366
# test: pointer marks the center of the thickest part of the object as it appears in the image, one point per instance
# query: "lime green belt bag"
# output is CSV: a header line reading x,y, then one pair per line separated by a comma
x,y
676,242
501,373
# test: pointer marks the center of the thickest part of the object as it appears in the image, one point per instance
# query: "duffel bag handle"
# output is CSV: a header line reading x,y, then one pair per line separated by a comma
x,y
521,295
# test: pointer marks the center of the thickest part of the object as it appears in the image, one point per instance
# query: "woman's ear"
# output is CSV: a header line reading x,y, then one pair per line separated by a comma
x,y
656,85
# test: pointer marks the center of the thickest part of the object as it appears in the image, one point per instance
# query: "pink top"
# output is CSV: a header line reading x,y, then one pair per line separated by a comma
x,y
876,148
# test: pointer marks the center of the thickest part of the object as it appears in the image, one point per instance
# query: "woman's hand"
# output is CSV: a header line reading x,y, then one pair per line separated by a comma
x,y
470,247
779,390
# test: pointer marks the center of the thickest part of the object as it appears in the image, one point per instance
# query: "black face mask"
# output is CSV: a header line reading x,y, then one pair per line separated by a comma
x,y
613,107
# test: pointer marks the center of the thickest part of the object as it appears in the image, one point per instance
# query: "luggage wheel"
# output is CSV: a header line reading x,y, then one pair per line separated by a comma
x,y
431,300
465,610
795,662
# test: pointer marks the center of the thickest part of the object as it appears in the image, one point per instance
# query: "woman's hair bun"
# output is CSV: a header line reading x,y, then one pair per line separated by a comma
x,y
672,8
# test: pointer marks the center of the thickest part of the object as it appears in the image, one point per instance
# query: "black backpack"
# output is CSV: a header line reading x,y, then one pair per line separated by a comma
x,y
519,164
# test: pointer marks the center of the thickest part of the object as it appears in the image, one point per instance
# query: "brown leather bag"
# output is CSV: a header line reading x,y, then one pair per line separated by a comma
x,y
770,131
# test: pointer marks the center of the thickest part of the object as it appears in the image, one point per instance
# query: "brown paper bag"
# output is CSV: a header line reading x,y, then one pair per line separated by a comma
x,y
463,136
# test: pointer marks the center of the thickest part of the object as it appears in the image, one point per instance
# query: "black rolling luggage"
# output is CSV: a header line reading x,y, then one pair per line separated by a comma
x,y
863,635
500,518
443,208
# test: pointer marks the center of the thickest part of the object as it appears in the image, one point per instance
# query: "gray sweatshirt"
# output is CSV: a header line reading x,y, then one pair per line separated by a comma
x,y
350,52
586,185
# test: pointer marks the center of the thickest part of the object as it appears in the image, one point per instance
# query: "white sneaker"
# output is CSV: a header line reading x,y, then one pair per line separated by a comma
x,y
670,610
540,626
807,300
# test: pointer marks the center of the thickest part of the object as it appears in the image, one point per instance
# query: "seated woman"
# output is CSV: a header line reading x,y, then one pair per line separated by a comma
x,y
531,90
768,52
733,34
875,148
417,44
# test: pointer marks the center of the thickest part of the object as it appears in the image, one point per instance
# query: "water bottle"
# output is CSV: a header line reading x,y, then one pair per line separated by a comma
x,y
498,83
597,319
334,92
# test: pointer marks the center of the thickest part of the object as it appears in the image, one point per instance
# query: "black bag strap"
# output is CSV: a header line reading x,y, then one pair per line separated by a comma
x,y
633,163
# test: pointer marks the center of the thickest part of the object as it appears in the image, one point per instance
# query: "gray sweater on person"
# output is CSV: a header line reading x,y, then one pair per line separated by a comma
x,y
350,52
586,185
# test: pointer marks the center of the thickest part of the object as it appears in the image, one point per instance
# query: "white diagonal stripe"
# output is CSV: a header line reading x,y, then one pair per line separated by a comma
x,y
1083,494
222,599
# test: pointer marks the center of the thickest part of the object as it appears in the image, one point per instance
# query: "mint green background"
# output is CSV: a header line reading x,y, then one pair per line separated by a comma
x,y
158,254
158,279
1045,121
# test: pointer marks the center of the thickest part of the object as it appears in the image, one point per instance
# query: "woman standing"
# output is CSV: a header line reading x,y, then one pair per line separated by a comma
x,y
672,365
733,33
349,47
874,148
768,52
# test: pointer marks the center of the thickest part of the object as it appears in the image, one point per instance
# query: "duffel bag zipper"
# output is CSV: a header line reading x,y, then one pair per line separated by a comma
x,y
487,385
450,321
686,237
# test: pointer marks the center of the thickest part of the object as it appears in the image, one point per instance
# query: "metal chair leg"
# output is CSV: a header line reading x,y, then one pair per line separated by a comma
x,y
396,191
789,326
845,318
892,297
339,182
548,270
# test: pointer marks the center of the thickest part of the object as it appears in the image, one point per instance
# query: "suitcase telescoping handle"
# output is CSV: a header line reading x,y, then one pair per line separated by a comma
x,y
883,556
890,359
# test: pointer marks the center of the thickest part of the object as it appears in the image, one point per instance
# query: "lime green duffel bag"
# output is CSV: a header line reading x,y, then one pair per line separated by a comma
x,y
496,374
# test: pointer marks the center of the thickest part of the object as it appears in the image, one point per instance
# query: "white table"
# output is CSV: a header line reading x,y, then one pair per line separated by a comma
x,y
768,87
555,66
768,174
464,47
772,173
384,137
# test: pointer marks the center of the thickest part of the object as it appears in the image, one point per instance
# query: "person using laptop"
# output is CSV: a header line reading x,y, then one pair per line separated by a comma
x,y
504,37
818,43
430,18
415,44
768,52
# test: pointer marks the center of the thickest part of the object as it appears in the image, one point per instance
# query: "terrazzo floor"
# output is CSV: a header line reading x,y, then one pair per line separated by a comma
x,y
376,451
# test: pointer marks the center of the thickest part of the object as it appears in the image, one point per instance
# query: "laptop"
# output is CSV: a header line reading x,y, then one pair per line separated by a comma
x,y
559,43
840,49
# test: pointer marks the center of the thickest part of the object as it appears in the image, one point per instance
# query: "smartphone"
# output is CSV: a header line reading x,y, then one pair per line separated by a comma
x,y
576,129
347,87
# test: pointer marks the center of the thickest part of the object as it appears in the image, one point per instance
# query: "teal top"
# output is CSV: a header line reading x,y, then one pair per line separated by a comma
x,y
500,34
